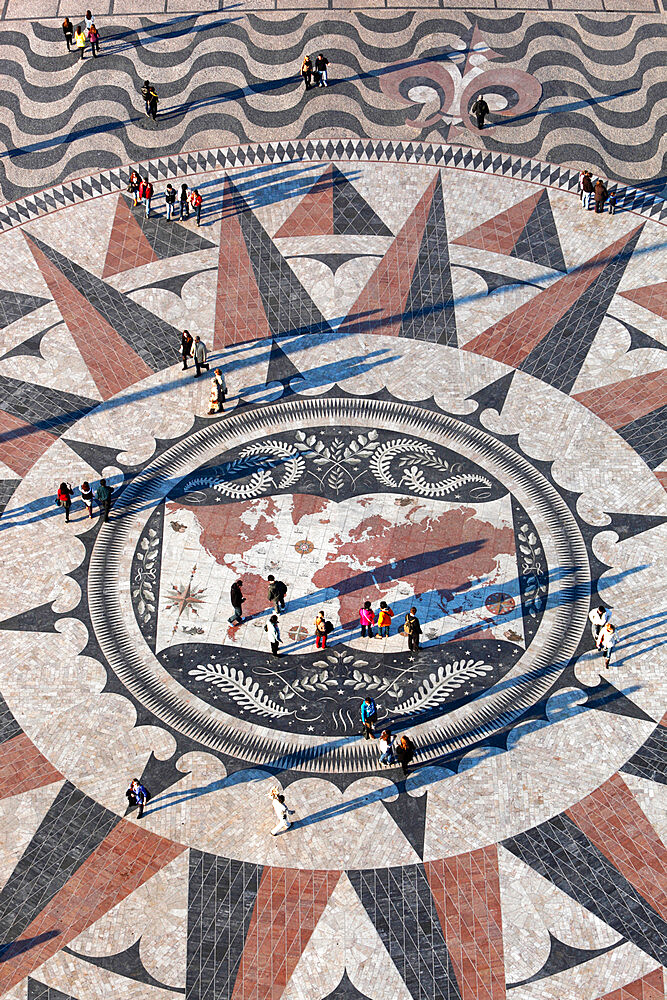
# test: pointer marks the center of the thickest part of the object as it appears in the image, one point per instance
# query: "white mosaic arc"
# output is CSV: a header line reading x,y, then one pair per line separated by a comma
x,y
139,670
335,150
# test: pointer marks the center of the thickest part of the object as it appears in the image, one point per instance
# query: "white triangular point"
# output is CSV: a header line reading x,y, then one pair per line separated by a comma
x,y
531,907
345,939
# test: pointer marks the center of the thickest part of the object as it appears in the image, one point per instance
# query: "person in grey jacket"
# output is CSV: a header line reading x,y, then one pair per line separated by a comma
x,y
200,355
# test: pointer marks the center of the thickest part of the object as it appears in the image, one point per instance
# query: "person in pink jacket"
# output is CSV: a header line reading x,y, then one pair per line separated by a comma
x,y
367,619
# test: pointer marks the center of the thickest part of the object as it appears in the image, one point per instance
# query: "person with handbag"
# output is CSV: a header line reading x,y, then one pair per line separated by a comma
x,y
64,498
87,496
137,795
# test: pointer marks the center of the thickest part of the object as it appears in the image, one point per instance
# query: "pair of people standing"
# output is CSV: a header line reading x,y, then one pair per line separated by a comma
x,y
367,620
142,191
396,753
316,75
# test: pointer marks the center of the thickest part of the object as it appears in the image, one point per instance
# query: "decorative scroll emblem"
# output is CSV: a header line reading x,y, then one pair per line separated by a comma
x,y
446,86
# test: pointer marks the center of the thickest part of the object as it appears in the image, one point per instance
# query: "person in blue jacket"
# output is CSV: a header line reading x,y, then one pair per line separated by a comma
x,y
369,714
137,795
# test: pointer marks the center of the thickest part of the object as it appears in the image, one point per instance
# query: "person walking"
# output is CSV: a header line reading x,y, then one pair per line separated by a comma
x,y
600,195
385,616
607,641
68,32
196,202
187,344
137,795
200,353
611,203
320,631
321,69
367,619
87,496
88,20
274,634
185,204
146,94
152,102
133,187
587,190
220,387
94,39
386,748
480,110
141,187
276,593
80,41
405,752
369,715
148,194
412,629
281,811
170,200
598,618
64,498
307,71
238,600
103,497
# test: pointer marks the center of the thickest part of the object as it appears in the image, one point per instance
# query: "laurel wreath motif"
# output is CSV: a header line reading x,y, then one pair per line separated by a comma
x,y
532,570
244,690
419,456
438,685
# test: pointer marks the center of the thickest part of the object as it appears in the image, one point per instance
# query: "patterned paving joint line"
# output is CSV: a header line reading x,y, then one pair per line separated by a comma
x,y
16,213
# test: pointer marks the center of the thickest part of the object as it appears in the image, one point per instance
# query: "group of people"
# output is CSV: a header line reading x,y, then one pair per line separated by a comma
x,y
604,633
315,74
595,192
103,496
411,626
142,192
391,753
86,32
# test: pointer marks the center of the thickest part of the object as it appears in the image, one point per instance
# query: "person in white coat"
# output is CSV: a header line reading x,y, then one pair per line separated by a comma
x,y
607,641
274,634
598,618
281,811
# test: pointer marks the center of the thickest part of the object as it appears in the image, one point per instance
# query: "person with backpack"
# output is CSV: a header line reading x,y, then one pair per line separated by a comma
x,y
404,752
137,795
367,619
320,631
103,497
196,202
274,634
412,629
80,41
369,715
148,194
281,811
385,616
185,204
276,594
68,32
170,200
94,39
64,498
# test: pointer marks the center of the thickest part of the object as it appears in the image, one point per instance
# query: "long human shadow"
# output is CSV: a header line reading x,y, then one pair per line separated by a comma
x,y
584,102
11,949
159,34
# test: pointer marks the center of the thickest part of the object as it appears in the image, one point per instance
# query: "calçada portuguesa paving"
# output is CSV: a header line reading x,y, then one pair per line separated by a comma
x,y
446,389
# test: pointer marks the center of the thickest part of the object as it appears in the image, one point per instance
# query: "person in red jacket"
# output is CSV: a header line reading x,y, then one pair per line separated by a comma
x,y
196,202
148,194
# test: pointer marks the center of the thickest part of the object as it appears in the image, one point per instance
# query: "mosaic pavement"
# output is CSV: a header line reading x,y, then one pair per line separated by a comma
x,y
446,388
582,90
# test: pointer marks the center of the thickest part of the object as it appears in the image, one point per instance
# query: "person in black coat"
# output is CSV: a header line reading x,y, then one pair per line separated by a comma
x,y
237,599
404,752
412,629
480,110
186,347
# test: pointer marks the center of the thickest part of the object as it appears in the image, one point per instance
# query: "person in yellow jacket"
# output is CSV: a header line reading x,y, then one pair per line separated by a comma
x,y
80,41
385,615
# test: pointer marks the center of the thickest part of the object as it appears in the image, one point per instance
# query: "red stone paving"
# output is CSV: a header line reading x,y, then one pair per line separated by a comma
x,y
288,906
512,338
649,987
111,362
125,859
651,297
23,767
466,892
239,313
662,479
128,247
21,444
500,234
614,822
381,304
313,216
621,402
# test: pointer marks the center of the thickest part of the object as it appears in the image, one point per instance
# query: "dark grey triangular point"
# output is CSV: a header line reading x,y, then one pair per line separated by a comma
x,y
629,525
98,456
639,339
32,347
7,487
175,282
16,305
40,619
409,814
605,697
564,956
126,963
494,280
493,395
281,369
352,215
346,990
539,242
39,991
159,775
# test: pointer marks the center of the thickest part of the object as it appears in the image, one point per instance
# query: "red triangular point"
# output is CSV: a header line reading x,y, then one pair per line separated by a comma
x,y
128,247
651,297
500,234
313,216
